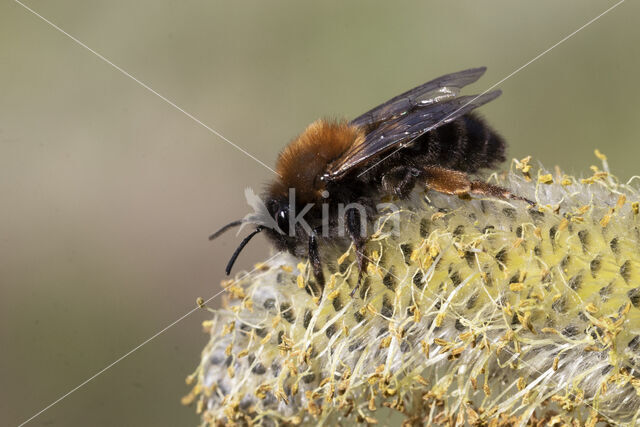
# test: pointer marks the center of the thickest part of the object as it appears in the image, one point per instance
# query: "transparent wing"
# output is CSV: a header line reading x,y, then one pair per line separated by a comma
x,y
401,131
434,91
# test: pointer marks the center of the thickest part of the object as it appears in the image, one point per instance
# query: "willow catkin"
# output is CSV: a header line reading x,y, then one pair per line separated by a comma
x,y
477,312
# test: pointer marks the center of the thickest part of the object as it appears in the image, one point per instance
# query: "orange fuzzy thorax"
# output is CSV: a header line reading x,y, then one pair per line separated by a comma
x,y
302,163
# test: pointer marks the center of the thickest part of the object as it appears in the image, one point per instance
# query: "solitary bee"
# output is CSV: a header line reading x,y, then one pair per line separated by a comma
x,y
427,136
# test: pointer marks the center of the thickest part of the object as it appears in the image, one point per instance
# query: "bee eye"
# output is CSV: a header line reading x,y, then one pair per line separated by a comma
x,y
282,218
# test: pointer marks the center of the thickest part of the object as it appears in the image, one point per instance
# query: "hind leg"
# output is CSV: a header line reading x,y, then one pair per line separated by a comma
x,y
486,189
449,181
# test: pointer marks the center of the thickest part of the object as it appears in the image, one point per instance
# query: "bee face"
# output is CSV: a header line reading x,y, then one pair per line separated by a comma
x,y
287,236
279,211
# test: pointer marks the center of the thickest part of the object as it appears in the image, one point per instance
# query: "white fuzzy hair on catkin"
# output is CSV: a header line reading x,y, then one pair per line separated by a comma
x,y
477,312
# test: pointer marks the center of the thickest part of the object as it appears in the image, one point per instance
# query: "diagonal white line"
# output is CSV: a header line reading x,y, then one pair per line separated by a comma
x,y
541,54
124,356
133,350
168,101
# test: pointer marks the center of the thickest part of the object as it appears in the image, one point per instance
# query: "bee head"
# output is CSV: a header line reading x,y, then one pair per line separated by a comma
x,y
284,232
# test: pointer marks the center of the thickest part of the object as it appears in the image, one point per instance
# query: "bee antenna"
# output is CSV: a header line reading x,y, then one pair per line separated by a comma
x,y
240,248
225,228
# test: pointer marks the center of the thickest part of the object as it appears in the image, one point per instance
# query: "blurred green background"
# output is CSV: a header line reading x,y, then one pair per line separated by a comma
x,y
108,193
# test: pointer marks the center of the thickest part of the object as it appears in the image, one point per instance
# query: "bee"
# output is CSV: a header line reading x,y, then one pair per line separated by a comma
x,y
331,175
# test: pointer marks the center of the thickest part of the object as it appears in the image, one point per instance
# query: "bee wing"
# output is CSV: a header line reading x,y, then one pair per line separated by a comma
x,y
403,130
437,90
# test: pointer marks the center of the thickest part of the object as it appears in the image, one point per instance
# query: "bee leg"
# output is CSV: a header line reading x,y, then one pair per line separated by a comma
x,y
314,257
448,181
486,189
400,181
353,225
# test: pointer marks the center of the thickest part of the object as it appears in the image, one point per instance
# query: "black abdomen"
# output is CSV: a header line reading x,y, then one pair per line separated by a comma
x,y
467,144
